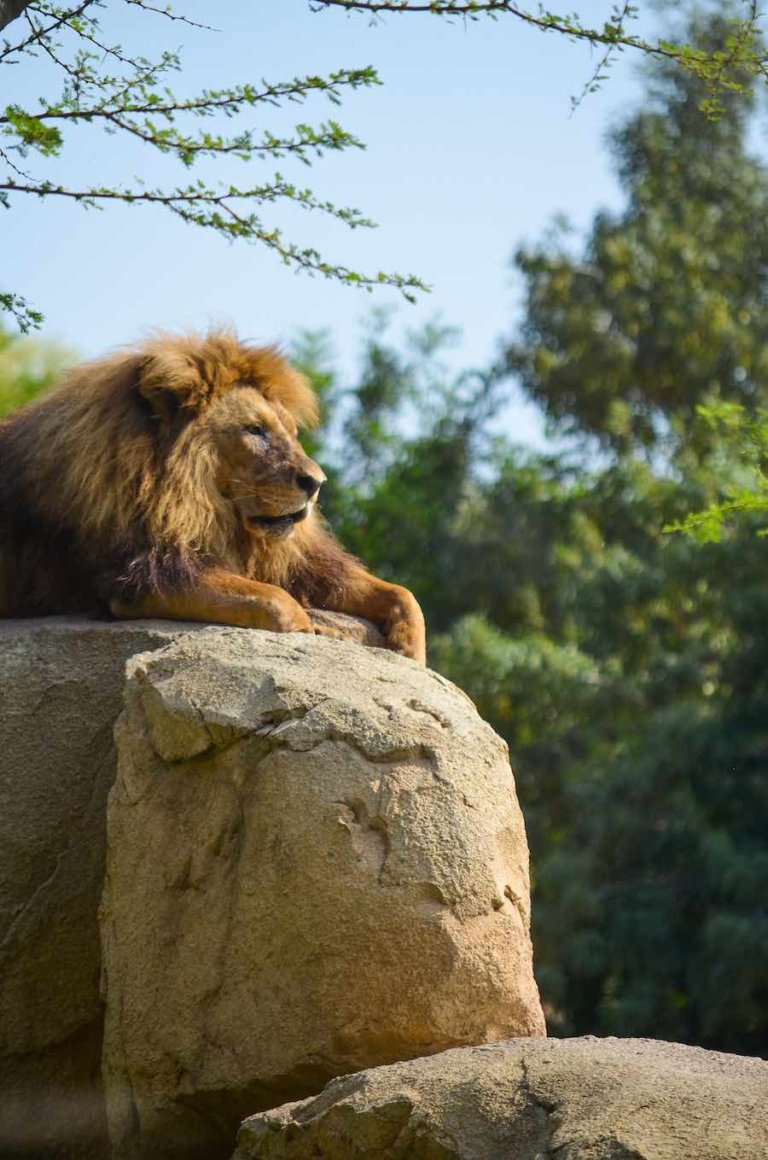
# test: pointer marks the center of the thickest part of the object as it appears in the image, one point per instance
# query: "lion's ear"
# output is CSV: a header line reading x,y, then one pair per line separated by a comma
x,y
170,382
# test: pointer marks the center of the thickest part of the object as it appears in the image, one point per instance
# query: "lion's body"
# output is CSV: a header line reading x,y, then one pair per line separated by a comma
x,y
124,489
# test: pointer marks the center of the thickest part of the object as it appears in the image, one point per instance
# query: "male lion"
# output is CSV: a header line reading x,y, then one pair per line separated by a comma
x,y
168,481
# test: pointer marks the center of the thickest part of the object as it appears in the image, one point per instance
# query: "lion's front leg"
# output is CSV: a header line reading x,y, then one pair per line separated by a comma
x,y
390,607
222,598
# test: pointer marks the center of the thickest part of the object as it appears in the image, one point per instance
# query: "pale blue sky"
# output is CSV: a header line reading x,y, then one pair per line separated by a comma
x,y
471,149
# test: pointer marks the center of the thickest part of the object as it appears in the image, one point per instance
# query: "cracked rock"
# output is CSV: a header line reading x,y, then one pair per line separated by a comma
x,y
316,863
567,1099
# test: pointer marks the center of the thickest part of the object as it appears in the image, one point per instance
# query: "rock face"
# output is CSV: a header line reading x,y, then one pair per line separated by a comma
x,y
60,691
316,862
577,1099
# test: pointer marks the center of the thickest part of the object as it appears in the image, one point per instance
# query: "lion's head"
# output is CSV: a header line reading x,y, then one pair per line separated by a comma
x,y
193,438
232,413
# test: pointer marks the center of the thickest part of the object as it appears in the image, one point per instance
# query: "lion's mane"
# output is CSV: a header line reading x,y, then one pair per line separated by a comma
x,y
101,496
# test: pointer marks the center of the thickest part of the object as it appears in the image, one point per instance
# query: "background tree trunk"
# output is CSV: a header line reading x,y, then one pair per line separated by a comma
x,y
10,9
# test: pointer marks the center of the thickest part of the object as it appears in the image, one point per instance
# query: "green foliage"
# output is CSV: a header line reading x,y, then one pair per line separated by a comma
x,y
28,366
673,281
96,84
627,668
746,438
26,317
637,730
650,838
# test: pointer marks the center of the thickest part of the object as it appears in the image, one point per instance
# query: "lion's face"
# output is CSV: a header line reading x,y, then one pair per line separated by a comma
x,y
261,468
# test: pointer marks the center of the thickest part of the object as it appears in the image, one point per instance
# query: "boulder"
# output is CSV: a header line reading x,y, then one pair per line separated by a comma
x,y
316,863
61,688
577,1099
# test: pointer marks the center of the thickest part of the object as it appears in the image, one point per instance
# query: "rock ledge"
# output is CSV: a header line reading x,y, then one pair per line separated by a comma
x,y
577,1099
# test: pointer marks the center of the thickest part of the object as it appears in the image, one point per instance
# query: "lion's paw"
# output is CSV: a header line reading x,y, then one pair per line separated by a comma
x,y
407,639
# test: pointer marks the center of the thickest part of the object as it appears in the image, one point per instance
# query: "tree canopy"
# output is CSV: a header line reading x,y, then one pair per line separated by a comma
x,y
664,307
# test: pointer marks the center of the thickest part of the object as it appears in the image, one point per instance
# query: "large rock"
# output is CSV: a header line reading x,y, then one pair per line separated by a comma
x,y
61,688
316,863
577,1099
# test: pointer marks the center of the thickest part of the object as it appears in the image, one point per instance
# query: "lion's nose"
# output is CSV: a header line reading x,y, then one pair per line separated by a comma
x,y
308,483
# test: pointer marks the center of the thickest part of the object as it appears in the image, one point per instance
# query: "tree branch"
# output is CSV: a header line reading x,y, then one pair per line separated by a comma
x,y
231,101
128,95
611,34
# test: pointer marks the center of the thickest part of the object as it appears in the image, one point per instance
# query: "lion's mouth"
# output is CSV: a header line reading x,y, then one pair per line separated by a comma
x,y
276,524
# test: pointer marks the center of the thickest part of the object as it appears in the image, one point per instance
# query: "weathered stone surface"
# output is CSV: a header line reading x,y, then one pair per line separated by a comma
x,y
576,1099
61,688
61,685
350,628
316,863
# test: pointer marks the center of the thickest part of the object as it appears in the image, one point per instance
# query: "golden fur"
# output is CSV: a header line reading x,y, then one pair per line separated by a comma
x,y
173,470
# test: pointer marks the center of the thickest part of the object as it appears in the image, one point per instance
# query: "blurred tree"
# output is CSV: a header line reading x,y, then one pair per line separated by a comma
x,y
28,366
626,673
649,776
665,308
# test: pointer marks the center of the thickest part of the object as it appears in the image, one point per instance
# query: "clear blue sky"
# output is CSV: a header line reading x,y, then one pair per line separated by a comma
x,y
471,149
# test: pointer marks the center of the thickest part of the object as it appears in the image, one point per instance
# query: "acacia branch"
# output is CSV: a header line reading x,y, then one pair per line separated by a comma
x,y
245,146
4,156
233,100
131,97
611,34
601,68
214,210
42,42
191,195
328,136
170,15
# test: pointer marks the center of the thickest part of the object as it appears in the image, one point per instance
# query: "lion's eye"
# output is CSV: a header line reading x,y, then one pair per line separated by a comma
x,y
254,429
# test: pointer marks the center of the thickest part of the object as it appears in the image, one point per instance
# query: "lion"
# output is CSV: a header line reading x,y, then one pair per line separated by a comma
x,y
167,480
